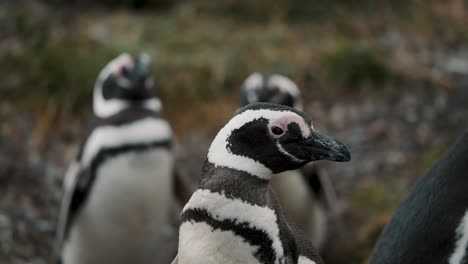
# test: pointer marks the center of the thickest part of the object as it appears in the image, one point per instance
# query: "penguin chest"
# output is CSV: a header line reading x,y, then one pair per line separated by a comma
x,y
126,216
133,189
200,243
223,229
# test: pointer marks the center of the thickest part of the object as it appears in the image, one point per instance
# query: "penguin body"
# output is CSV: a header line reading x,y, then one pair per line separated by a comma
x,y
307,205
431,225
303,206
118,192
234,216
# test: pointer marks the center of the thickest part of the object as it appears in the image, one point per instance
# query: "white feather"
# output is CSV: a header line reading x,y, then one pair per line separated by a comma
x,y
462,241
105,108
223,208
304,260
286,85
219,155
251,84
292,157
125,218
200,244
140,131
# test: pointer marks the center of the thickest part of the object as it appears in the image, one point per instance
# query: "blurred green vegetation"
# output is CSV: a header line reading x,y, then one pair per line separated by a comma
x,y
297,11
51,69
356,65
203,51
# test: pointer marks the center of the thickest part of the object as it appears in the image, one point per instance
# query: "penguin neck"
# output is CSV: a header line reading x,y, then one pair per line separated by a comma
x,y
218,178
104,108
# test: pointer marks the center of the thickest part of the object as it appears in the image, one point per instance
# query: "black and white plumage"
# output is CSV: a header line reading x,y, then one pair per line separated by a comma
x,y
118,191
313,191
274,88
431,225
234,215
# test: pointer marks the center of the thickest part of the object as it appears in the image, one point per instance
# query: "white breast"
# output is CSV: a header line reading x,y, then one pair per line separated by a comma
x,y
232,209
459,252
126,216
304,260
200,244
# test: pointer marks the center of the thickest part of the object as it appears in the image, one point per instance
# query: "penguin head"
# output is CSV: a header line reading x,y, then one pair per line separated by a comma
x,y
273,88
264,139
125,81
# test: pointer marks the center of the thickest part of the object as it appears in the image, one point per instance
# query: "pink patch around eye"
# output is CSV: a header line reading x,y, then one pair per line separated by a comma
x,y
121,64
283,123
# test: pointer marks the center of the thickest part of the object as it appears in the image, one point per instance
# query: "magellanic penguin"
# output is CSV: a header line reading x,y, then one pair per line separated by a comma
x,y
118,191
307,194
431,225
234,215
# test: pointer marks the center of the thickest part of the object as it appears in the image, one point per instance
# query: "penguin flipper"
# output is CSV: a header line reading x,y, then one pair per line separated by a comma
x,y
68,187
73,198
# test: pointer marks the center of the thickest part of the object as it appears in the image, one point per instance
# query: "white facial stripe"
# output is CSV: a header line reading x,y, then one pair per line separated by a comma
x,y
304,260
251,84
116,65
287,86
219,155
223,208
282,150
141,131
284,84
254,81
462,242
105,108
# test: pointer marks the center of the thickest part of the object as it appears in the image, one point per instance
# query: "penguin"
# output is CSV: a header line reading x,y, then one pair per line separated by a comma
x,y
234,216
314,198
117,192
431,224
274,88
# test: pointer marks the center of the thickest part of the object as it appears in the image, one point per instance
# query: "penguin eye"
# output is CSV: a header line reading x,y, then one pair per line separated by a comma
x,y
277,131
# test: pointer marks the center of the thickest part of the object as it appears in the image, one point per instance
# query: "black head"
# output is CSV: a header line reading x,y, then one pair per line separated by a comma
x,y
265,138
273,88
125,81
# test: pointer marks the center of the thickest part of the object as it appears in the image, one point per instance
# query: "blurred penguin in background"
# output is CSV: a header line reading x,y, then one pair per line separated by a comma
x,y
306,194
119,191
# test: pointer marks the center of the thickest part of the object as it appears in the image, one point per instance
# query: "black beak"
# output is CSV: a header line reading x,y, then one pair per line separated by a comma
x,y
322,147
137,77
139,72
318,147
